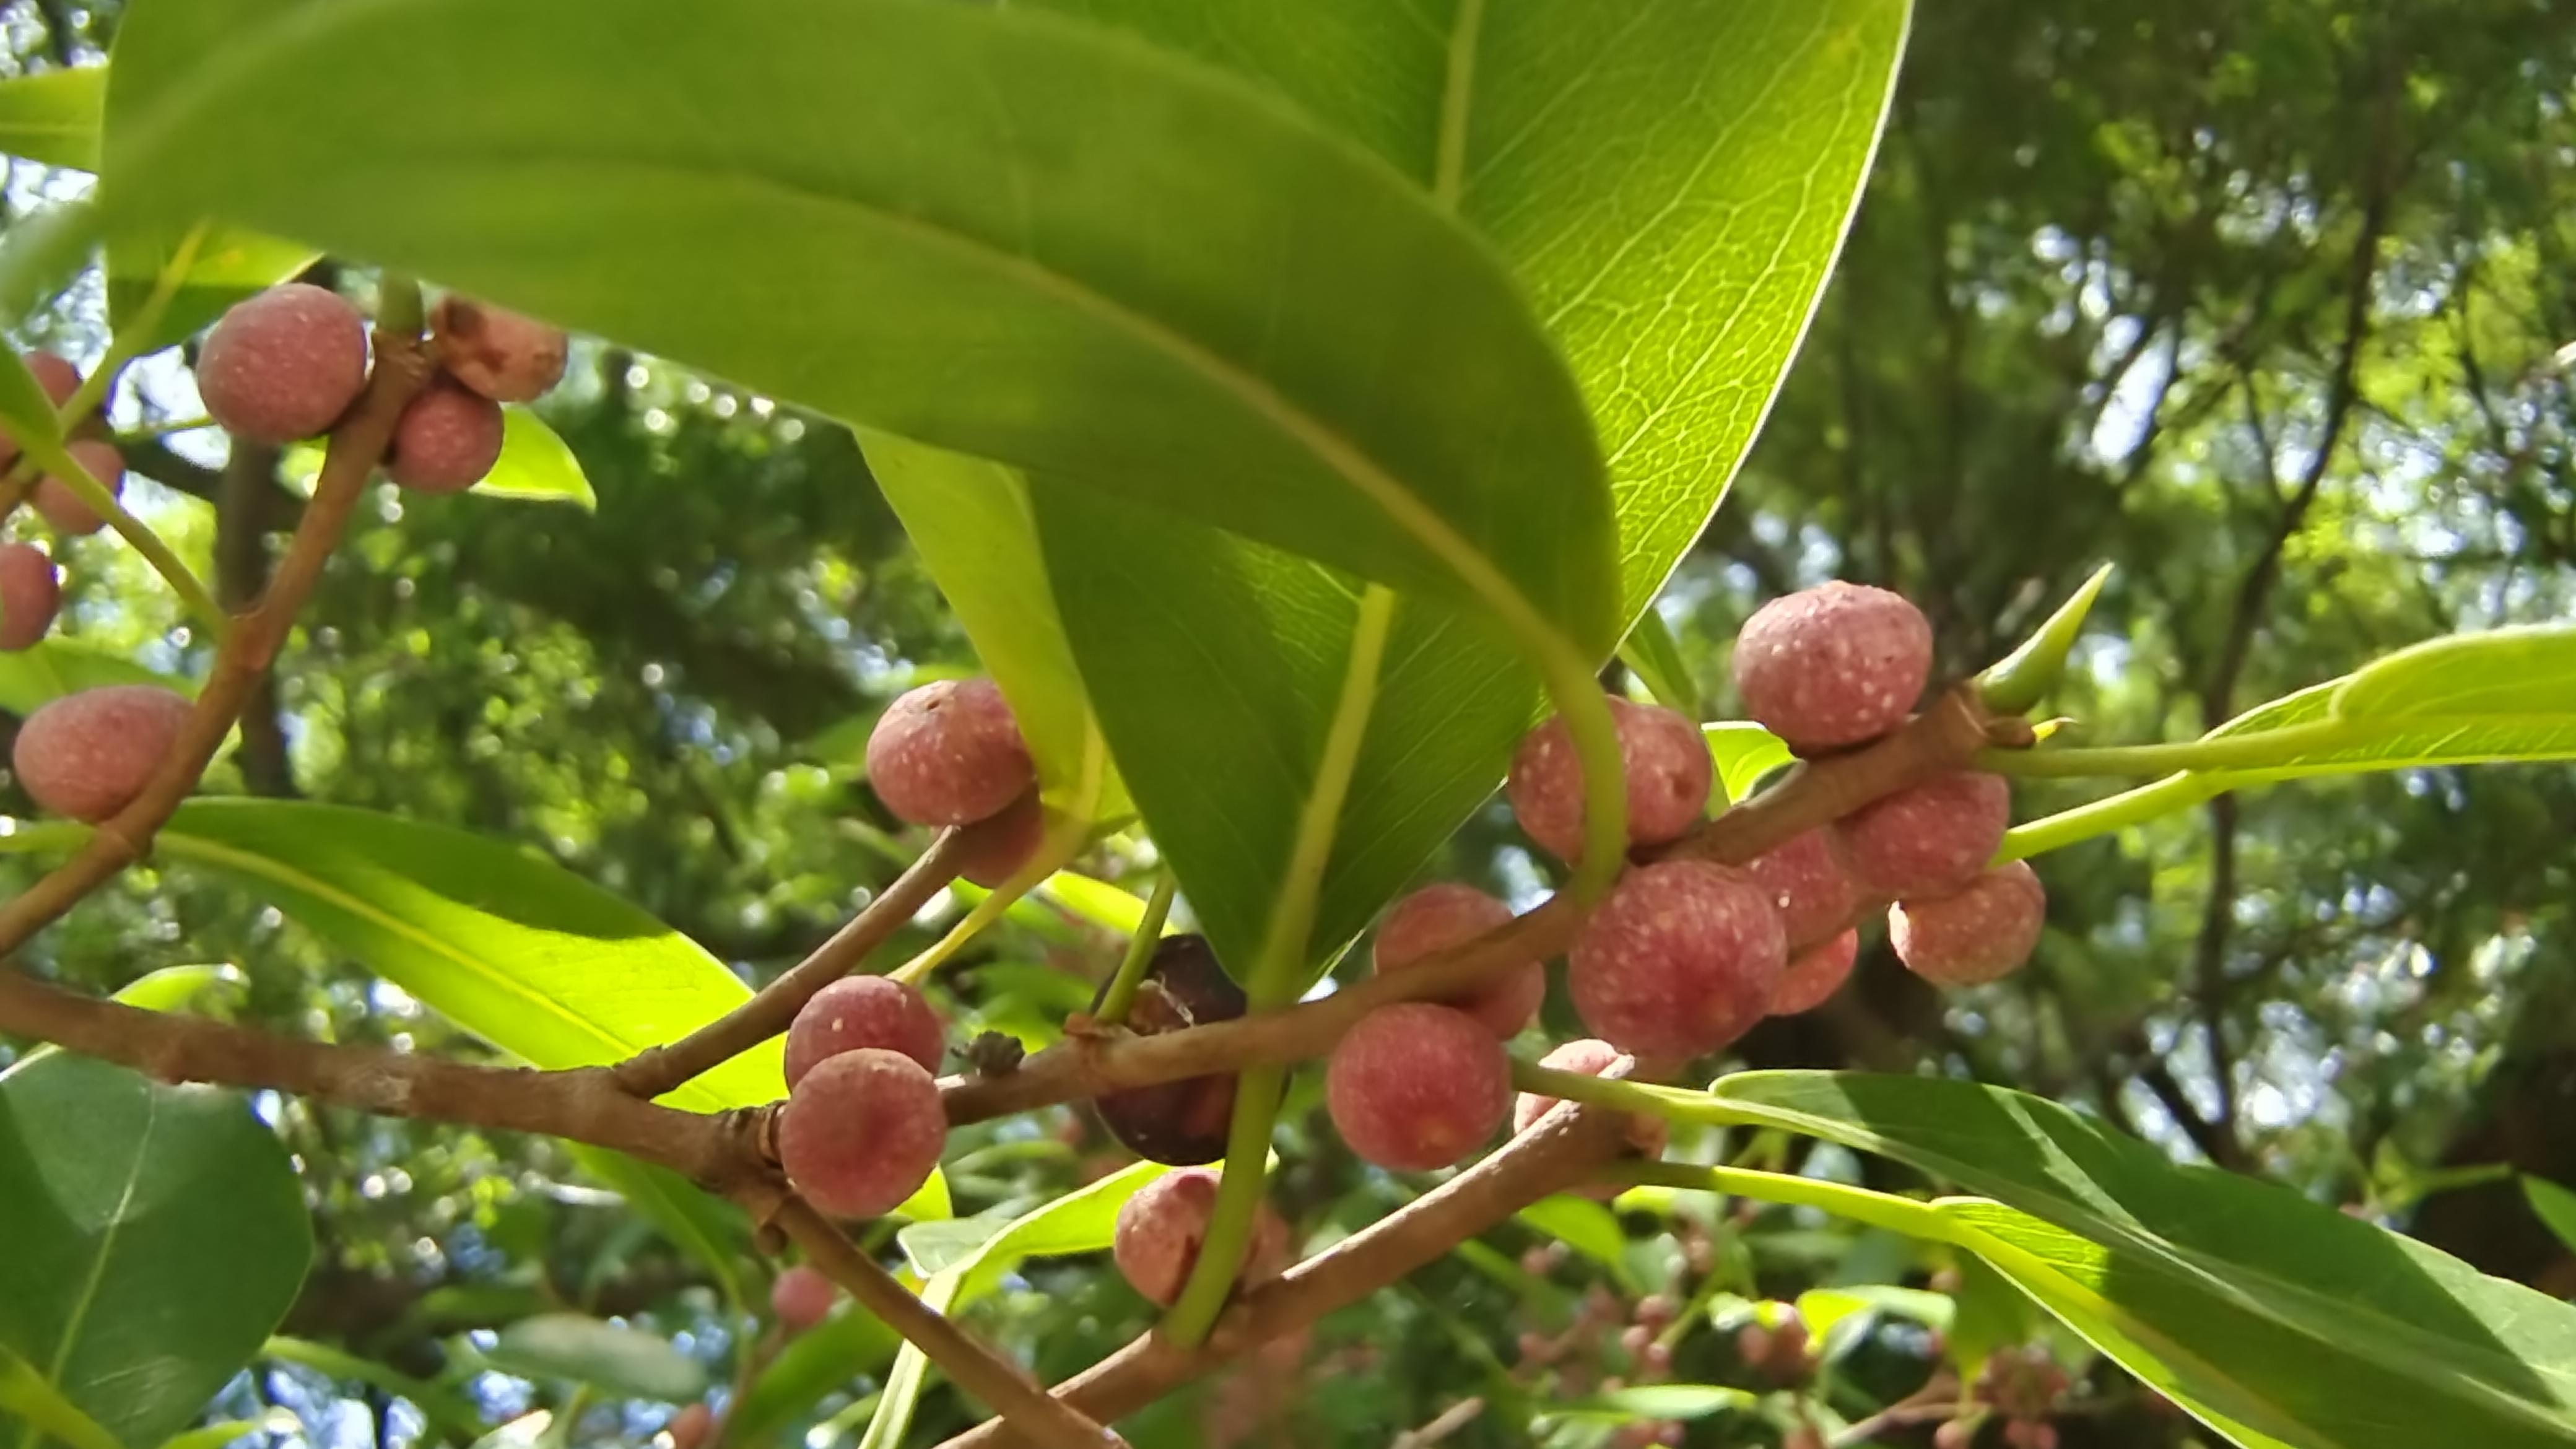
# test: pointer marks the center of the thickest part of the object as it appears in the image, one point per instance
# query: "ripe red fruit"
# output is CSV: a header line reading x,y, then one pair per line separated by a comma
x,y
498,353
87,755
690,1427
1448,914
1181,1122
58,378
285,364
802,1297
1833,665
1004,843
1929,839
66,510
1679,961
1806,882
29,594
861,1132
864,1011
1591,1056
1668,769
949,753
1815,974
1981,934
1416,1086
446,440
1161,1227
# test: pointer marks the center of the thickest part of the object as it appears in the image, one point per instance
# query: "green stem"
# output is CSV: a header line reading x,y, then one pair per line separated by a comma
x,y
2117,812
164,430
398,305
1857,1204
2321,746
1671,1103
1140,950
1238,1202
45,837
131,338
57,460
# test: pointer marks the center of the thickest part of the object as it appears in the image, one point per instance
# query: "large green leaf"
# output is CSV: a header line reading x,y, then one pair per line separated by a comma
x,y
836,229
52,116
580,1349
2320,1330
154,1236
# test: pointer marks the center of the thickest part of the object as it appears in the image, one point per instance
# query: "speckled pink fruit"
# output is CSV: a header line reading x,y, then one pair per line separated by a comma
x,y
1679,961
498,353
864,1011
1981,934
65,509
1161,1227
1928,840
284,365
1415,1086
1668,768
58,378
1833,665
87,755
949,753
1591,1056
690,1427
446,440
1815,974
802,1297
1805,880
1448,914
30,592
861,1132
1001,845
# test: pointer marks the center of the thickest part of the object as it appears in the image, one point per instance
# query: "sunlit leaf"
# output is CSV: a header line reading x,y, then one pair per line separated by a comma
x,y
535,465
52,116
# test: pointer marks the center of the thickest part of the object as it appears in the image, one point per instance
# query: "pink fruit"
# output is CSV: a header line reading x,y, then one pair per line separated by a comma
x,y
67,511
1416,1086
1591,1056
284,365
864,1011
949,753
1928,840
1668,768
446,440
1806,882
1981,934
1815,974
58,378
802,1297
1448,914
87,755
690,1427
1833,665
1679,961
29,594
861,1132
1001,845
1161,1227
498,353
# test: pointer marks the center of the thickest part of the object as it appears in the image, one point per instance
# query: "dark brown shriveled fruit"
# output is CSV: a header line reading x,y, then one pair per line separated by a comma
x,y
1181,1122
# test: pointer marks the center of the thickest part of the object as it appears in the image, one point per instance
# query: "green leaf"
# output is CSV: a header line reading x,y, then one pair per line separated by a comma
x,y
1655,657
585,1350
230,264
51,668
707,1228
1990,1314
155,1235
233,1431
26,1394
174,987
1583,1225
535,465
442,1407
1652,1401
1744,754
1104,905
2555,1206
822,1360
2309,1326
52,116
934,1248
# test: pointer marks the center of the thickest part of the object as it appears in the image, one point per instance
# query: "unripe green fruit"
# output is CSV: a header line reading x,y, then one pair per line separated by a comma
x,y
864,1011
1807,883
1668,771
446,440
1448,914
1161,1227
949,753
1591,1056
67,511
1980,934
30,593
498,353
1833,665
1929,839
802,1297
87,755
284,365
1414,1087
1181,1122
862,1132
1679,961
1815,974
58,378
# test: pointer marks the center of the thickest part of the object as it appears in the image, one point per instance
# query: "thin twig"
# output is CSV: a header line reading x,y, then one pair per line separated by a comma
x,y
1447,1422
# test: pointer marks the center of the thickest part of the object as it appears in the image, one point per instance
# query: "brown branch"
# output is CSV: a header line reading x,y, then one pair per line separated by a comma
x,y
248,650
1813,793
659,1069
242,512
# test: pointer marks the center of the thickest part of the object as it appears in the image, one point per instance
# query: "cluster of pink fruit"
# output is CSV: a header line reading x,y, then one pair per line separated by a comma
x,y
1685,955
280,367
